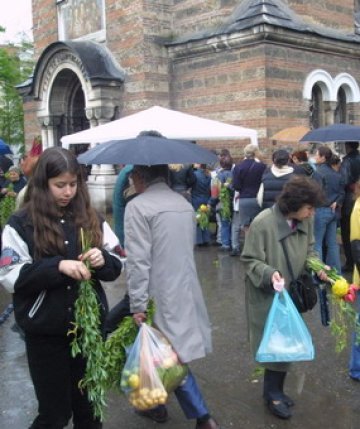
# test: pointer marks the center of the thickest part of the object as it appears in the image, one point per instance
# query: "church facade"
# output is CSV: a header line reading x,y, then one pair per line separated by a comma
x,y
262,64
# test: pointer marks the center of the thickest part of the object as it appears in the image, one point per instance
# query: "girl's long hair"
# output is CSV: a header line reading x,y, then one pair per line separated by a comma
x,y
45,215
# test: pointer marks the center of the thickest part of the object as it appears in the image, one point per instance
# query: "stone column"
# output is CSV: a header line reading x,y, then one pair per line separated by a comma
x,y
353,113
329,112
102,179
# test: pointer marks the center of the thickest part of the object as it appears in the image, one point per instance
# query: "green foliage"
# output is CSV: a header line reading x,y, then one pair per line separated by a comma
x,y
225,201
104,359
16,66
7,206
87,339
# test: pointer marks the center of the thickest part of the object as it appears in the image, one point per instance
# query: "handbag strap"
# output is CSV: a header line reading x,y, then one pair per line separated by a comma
x,y
287,260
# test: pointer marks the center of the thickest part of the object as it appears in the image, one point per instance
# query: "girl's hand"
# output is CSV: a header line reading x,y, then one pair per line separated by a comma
x,y
74,269
94,256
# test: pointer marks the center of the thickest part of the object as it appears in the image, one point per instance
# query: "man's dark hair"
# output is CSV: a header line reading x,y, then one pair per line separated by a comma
x,y
352,145
300,191
326,152
152,133
151,173
280,157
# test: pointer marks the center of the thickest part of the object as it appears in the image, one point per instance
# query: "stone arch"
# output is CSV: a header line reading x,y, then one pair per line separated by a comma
x,y
323,79
349,85
80,77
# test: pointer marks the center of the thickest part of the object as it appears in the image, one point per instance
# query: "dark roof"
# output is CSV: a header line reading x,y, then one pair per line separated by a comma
x,y
99,65
252,13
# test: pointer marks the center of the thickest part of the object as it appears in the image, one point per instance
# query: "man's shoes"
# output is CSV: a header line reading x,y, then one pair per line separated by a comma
x,y
208,424
279,409
235,252
158,414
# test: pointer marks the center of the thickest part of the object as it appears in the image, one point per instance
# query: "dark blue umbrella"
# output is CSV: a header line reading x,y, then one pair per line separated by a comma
x,y
147,150
4,148
333,133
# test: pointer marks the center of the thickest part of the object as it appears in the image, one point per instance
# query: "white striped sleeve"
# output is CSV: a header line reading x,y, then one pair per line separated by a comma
x,y
14,255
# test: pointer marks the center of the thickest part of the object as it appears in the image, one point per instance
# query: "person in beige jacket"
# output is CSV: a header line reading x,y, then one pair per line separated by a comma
x,y
159,239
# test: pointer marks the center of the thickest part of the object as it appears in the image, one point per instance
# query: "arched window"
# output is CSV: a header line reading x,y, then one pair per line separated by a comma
x,y
316,108
340,110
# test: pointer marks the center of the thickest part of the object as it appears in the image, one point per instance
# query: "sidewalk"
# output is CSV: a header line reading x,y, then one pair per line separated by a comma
x,y
324,394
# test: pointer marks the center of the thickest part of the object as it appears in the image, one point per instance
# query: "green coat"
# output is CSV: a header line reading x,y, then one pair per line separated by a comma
x,y
262,256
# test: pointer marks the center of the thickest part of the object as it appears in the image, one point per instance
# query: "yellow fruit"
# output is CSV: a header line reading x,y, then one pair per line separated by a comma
x,y
340,288
163,398
134,381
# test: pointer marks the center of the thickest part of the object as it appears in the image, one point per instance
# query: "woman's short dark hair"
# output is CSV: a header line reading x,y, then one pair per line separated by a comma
x,y
298,192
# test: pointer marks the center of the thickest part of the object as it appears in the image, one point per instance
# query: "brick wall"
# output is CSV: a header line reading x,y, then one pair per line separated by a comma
x,y
195,15
31,124
328,13
45,27
258,86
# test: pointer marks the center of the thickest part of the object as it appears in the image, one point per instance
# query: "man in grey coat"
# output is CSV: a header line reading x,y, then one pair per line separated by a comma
x,y
159,234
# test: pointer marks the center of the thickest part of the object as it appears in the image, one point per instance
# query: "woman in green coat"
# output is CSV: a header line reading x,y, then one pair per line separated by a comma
x,y
290,220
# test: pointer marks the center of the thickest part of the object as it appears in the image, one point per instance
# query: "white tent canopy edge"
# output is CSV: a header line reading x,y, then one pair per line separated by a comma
x,y
170,123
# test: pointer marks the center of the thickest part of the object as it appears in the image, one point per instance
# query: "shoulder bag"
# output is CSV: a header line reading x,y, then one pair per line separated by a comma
x,y
303,289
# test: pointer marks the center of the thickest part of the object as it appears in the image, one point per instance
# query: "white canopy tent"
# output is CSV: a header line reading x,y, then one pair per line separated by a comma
x,y
170,123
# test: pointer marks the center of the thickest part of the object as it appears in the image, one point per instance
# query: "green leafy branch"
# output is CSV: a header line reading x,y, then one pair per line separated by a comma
x,y
87,339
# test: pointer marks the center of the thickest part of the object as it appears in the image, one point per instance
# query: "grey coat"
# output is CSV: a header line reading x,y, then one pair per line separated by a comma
x,y
262,256
160,231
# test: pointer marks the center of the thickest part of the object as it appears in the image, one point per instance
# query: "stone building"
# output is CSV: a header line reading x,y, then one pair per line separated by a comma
x,y
262,64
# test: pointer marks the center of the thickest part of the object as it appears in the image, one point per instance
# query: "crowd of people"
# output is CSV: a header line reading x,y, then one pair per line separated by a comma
x,y
301,200
259,210
235,193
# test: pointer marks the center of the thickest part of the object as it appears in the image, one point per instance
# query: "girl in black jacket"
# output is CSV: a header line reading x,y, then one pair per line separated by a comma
x,y
42,265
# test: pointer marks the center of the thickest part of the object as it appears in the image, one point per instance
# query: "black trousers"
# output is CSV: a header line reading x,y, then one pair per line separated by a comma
x,y
345,237
117,313
273,384
55,375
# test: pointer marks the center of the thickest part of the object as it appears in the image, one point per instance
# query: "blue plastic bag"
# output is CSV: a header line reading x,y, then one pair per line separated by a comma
x,y
286,337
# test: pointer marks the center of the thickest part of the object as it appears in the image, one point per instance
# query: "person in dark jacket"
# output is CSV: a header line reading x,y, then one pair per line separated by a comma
x,y
181,179
42,263
246,180
300,162
200,194
274,178
223,202
326,216
350,172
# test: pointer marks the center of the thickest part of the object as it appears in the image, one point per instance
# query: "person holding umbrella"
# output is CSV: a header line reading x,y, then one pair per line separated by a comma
x,y
159,241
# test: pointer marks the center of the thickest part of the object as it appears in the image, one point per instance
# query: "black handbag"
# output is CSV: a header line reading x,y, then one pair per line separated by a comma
x,y
303,289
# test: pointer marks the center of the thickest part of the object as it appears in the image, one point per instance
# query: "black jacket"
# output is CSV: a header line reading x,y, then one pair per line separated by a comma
x,y
56,311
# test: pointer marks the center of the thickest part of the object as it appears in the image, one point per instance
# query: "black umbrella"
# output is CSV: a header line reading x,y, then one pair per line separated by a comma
x,y
333,133
147,150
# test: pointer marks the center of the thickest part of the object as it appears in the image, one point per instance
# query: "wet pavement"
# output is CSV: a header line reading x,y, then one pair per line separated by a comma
x,y
324,394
